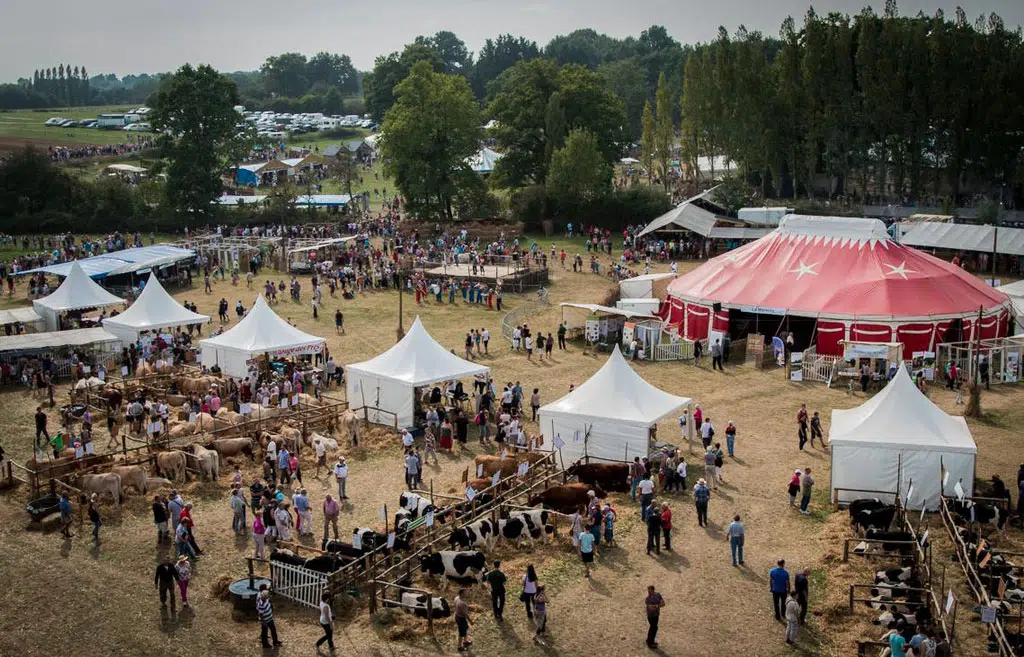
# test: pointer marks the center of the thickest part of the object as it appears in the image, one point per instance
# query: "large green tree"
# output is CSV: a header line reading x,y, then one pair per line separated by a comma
x,y
379,84
579,174
427,136
664,133
625,78
326,70
647,142
451,49
193,112
286,74
520,108
499,55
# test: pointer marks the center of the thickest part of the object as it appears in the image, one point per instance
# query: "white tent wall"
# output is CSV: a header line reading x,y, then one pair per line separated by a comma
x,y
371,391
868,467
127,334
606,440
231,362
49,316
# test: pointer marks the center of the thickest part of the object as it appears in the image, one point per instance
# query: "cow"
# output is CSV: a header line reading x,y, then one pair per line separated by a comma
x,y
228,447
349,425
132,475
178,429
200,384
879,517
286,556
890,616
492,464
894,575
330,444
290,437
886,546
326,563
612,477
114,398
204,422
990,514
342,549
865,504
416,604
476,534
158,483
460,567
209,462
108,482
516,529
417,505
539,523
171,465
566,498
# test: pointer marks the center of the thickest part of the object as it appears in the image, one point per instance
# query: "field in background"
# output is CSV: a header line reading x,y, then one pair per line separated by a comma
x,y
24,127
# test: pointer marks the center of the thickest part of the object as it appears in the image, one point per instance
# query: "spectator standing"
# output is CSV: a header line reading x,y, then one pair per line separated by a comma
x,y
778,584
164,580
332,509
94,518
653,521
701,496
259,536
801,586
653,604
238,508
636,473
184,570
806,487
341,475
737,534
707,431
540,605
462,620
666,525
586,539
266,613
496,579
716,355
710,472
730,438
160,517
326,622
608,516
816,430
801,425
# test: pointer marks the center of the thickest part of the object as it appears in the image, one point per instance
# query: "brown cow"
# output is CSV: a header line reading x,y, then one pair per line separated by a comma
x,y
610,476
132,475
228,447
566,498
204,422
171,464
492,464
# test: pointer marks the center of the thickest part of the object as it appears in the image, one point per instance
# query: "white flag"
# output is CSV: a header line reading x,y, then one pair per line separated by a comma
x,y
959,490
558,442
480,470
284,402
470,493
949,601
357,541
924,538
391,540
429,522
124,371
384,512
496,478
524,467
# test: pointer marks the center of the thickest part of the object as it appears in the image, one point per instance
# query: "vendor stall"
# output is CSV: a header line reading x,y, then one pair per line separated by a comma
x,y
880,358
154,309
65,349
260,333
598,325
76,294
21,320
386,386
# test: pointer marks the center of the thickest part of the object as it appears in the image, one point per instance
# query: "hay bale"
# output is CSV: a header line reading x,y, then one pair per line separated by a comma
x,y
219,587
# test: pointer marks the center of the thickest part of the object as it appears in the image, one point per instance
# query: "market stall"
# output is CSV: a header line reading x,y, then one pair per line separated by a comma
x,y
881,358
153,310
64,307
65,349
260,333
613,415
387,386
21,320
598,325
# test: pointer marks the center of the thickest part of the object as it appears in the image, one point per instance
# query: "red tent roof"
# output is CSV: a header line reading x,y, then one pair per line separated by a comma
x,y
840,268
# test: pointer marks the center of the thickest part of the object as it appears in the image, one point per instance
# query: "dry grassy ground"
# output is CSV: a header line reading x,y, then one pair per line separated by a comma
x,y
70,597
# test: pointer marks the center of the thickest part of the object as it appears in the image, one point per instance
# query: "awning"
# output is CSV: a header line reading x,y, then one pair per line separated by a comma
x,y
56,339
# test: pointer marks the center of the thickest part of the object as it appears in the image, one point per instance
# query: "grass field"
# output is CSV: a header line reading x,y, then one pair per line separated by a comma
x,y
712,608
27,126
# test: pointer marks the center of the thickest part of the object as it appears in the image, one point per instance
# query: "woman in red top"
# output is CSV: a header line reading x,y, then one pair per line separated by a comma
x,y
666,525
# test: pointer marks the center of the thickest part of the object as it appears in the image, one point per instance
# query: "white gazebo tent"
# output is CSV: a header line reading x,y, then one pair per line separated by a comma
x,y
897,437
646,286
386,385
260,332
154,309
609,416
77,292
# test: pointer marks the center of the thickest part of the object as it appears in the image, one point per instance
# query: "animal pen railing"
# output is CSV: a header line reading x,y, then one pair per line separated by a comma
x,y
819,367
681,350
968,563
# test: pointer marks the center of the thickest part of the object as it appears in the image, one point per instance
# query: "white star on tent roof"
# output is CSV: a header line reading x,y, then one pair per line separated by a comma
x,y
900,270
804,269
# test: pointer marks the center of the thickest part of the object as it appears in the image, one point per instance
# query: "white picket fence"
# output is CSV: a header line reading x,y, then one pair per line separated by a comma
x,y
818,367
682,350
297,583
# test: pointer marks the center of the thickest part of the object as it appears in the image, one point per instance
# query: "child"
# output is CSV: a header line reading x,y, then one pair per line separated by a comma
x,y
609,524
794,487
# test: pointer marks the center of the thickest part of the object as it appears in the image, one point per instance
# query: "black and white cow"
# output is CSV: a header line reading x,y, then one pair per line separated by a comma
x,y
286,556
904,548
889,617
416,603
479,534
894,575
983,514
539,522
417,505
460,567
878,517
326,563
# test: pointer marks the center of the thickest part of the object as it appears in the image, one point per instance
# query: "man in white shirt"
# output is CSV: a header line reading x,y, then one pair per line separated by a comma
x,y
272,451
506,399
341,475
321,456
681,472
407,439
646,490
707,432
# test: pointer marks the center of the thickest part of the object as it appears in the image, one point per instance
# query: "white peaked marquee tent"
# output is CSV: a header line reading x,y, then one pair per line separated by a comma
x,y
260,332
389,381
899,435
154,309
77,292
609,416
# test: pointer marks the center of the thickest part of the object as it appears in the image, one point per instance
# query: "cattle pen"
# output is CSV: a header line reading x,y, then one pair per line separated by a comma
x,y
969,562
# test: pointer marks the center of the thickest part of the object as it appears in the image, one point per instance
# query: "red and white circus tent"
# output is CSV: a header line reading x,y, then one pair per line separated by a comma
x,y
849,277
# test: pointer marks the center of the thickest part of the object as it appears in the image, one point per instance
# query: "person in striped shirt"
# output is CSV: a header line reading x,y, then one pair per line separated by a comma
x,y
266,614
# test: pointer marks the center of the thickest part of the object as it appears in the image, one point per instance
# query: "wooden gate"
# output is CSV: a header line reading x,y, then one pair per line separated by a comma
x,y
297,583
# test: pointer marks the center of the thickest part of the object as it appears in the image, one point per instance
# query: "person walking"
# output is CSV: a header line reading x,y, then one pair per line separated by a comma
x,y
160,517
816,430
184,570
94,518
806,487
707,430
801,425
462,621
331,509
736,534
801,587
163,580
653,604
793,620
529,589
326,622
653,527
646,488
730,438
496,579
716,356
535,403
586,539
341,476
259,536
794,487
710,472
778,584
636,473
540,605
266,613
701,496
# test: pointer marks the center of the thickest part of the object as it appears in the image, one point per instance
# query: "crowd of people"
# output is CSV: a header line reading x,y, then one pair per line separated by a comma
x,y
68,153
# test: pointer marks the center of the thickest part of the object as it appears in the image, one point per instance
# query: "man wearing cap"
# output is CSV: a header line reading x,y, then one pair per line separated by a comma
x,y
341,474
266,614
701,495
321,456
332,509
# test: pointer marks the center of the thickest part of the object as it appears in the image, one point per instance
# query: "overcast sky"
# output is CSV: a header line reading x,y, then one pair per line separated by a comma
x,y
112,36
